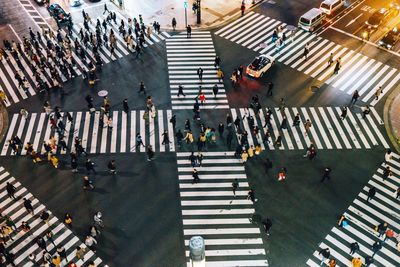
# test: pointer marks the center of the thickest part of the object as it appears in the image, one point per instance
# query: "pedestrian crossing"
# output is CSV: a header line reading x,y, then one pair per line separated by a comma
x,y
14,93
328,130
363,217
24,243
357,72
210,209
185,56
96,138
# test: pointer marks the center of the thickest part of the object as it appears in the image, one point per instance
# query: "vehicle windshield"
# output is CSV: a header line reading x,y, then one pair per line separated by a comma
x,y
304,21
325,6
258,63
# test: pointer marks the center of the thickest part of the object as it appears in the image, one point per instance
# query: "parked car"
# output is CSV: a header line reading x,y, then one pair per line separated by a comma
x,y
58,13
259,66
390,39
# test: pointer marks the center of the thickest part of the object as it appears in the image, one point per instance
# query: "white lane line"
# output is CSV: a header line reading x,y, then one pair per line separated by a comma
x,y
161,130
367,130
339,127
312,130
9,135
76,129
38,132
104,133
170,131
348,129
358,129
265,129
85,134
294,130
132,143
124,129
142,130
93,145
329,127
114,133
230,26
246,127
285,131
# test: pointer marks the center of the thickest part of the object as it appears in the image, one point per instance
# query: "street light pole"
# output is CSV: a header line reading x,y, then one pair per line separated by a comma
x,y
198,11
185,5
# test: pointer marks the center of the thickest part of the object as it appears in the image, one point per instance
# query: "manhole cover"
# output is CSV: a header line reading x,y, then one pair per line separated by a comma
x,y
102,93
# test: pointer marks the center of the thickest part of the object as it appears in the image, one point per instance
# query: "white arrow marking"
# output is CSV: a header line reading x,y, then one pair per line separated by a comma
x,y
353,20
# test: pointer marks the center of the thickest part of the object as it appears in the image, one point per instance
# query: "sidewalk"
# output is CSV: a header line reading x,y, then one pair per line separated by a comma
x,y
3,121
213,12
391,117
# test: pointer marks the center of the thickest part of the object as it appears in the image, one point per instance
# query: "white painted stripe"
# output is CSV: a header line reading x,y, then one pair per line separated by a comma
x,y
335,254
216,202
312,130
211,168
216,221
393,82
76,128
358,129
124,129
230,26
312,263
170,131
276,131
338,127
310,59
367,75
211,185
346,67
28,134
376,115
114,134
373,80
302,129
214,176
38,132
8,88
161,130
237,263
258,136
66,138
11,74
246,127
9,135
377,132
207,153
348,129
354,67
132,144
221,231
382,81
354,76
262,119
211,193
21,128
230,241
323,67
261,36
86,126
367,130
300,46
329,127
324,51
255,23
212,161
152,132
299,144
142,130
104,134
285,131
379,215
93,145
232,252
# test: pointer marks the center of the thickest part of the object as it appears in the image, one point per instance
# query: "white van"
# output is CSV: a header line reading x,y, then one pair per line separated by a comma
x,y
311,19
330,6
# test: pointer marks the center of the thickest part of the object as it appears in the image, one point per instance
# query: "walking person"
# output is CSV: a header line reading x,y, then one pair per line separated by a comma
x,y
343,115
378,92
371,193
220,74
125,105
165,138
235,186
337,66
188,31
87,183
150,153
142,88
366,111
11,189
173,24
267,226
251,196
112,167
217,62
354,247
180,91
306,50
270,88
354,98
325,254
242,8
139,141
330,60
28,205
215,90
200,73
50,237
376,247
195,176
326,175
307,126
90,166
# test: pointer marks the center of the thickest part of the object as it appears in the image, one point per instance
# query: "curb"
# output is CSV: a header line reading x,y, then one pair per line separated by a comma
x,y
3,121
387,118
214,25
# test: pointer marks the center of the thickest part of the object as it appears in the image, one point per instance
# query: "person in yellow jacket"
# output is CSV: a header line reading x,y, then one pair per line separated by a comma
x,y
220,75
189,137
3,97
56,260
245,155
250,151
357,262
54,161
258,150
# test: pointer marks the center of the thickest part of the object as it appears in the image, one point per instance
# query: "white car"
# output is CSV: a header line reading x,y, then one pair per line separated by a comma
x,y
259,66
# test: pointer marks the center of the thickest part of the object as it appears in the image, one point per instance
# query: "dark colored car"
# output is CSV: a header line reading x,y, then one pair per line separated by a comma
x,y
58,13
390,39
377,17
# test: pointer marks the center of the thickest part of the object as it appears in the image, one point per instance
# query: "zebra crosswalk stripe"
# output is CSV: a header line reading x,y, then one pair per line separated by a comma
x,y
254,31
210,209
22,244
95,139
363,217
328,130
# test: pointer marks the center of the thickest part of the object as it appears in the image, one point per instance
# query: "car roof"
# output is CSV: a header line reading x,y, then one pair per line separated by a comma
x,y
330,2
312,13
